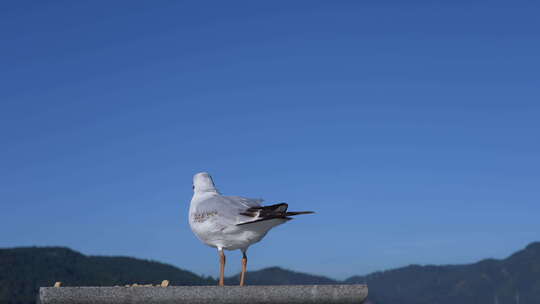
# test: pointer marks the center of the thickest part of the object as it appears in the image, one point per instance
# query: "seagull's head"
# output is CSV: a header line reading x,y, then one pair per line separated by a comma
x,y
202,182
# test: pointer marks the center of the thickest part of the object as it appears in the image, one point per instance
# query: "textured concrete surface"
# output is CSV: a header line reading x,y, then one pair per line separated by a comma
x,y
206,294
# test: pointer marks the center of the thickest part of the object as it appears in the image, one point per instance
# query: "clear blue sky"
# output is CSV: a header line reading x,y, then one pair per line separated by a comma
x,y
411,129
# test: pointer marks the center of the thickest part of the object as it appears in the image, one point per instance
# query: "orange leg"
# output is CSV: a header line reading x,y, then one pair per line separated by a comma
x,y
222,267
244,268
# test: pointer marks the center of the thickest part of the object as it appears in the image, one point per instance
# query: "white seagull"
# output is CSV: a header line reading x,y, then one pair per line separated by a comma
x,y
231,222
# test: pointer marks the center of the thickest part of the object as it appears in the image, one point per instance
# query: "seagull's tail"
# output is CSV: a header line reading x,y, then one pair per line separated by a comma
x,y
264,213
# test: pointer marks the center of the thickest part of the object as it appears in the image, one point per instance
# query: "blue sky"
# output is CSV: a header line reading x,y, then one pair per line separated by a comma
x,y
410,128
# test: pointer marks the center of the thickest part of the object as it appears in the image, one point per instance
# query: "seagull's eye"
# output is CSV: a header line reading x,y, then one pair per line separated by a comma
x,y
193,187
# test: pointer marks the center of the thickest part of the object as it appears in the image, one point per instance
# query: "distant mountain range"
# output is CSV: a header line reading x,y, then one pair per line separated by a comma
x,y
515,279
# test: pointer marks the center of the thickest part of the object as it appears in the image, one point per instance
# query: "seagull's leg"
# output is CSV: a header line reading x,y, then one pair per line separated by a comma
x,y
244,267
222,267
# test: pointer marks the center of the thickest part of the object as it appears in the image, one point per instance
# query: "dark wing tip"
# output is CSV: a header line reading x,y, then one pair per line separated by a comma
x,y
299,212
266,219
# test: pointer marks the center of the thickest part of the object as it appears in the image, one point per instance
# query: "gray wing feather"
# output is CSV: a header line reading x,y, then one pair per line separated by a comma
x,y
228,208
247,202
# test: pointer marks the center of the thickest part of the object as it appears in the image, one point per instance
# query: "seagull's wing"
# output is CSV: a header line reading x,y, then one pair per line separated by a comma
x,y
245,201
228,210
237,210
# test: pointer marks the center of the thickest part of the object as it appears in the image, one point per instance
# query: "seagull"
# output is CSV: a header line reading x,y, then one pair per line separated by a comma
x,y
231,222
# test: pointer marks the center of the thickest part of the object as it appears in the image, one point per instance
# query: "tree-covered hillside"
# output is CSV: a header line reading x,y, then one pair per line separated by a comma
x,y
280,276
23,270
515,279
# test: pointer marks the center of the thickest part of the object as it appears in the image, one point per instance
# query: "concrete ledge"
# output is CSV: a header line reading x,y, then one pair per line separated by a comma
x,y
205,294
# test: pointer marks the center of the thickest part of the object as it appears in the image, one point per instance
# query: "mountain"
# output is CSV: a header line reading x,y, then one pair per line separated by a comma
x,y
23,270
280,276
515,279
